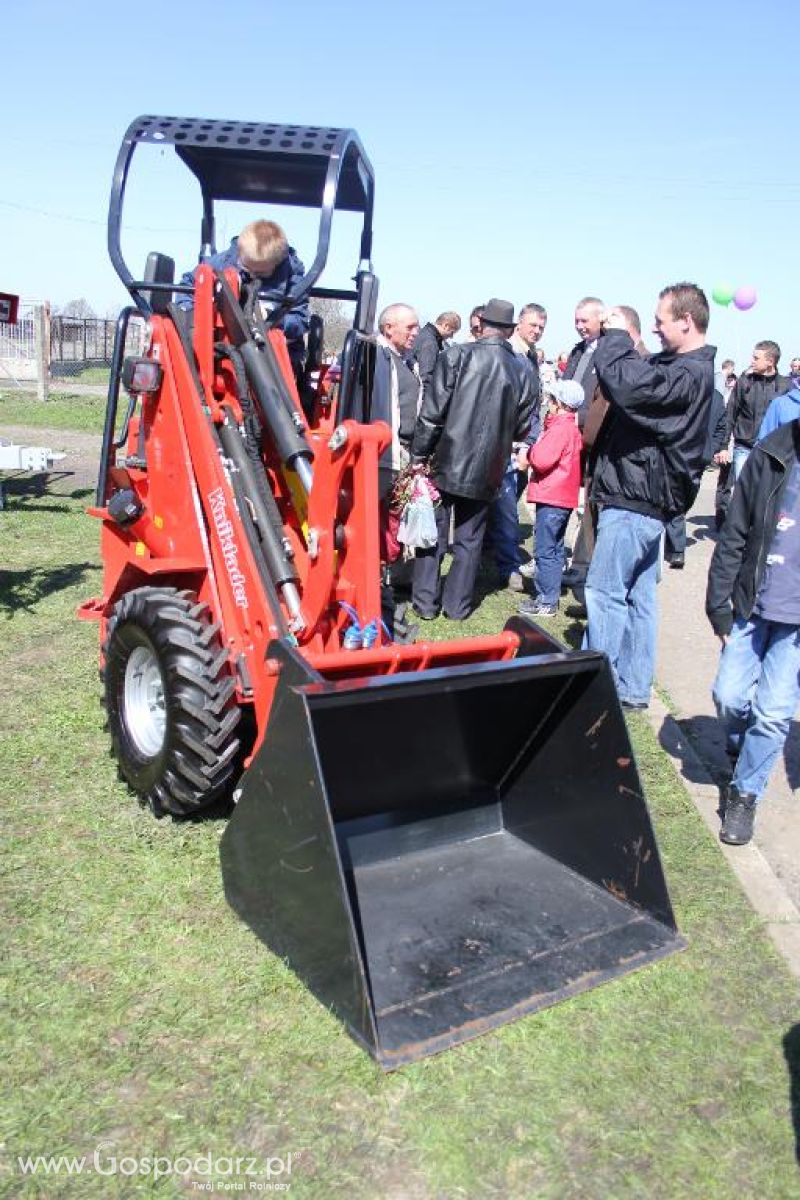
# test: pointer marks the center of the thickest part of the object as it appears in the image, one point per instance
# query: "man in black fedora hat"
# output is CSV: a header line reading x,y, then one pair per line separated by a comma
x,y
480,403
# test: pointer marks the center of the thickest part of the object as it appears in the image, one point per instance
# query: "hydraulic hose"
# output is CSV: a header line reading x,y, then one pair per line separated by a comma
x,y
290,442
281,569
283,422
251,434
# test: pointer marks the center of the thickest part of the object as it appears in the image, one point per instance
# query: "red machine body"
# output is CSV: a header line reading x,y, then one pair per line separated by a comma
x,y
190,535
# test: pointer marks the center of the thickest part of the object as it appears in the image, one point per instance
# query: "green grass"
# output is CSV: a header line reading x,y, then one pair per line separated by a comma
x,y
62,410
87,375
140,1012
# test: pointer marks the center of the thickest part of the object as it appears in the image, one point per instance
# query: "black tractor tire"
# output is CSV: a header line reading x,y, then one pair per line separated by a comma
x,y
169,696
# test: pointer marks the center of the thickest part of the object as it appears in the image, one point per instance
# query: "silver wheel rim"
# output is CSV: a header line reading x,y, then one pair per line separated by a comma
x,y
145,708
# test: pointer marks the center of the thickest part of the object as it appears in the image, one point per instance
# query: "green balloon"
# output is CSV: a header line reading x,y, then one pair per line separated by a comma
x,y
723,294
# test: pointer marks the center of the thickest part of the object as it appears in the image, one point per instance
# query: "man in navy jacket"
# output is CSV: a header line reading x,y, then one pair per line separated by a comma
x,y
753,604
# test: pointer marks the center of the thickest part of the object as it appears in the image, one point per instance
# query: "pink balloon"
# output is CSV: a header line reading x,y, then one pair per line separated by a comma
x,y
745,297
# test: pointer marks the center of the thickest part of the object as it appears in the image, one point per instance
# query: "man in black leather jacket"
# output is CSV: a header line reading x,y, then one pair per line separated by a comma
x,y
481,402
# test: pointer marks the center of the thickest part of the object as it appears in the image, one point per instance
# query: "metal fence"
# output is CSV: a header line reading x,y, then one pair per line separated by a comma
x,y
40,349
78,344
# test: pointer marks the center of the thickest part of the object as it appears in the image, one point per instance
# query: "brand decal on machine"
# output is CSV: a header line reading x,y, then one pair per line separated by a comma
x,y
230,551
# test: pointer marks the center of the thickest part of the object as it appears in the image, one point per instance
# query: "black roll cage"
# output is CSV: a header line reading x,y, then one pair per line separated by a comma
x,y
265,163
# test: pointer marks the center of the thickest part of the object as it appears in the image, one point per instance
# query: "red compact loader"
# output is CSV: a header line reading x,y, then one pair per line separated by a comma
x,y
438,837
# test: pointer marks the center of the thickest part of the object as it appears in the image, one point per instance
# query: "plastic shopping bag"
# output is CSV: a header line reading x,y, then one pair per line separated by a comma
x,y
417,528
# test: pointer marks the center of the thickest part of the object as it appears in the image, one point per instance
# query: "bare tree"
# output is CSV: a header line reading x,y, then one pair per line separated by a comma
x,y
336,320
80,309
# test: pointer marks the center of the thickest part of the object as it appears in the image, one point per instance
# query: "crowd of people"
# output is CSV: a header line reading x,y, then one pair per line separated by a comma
x,y
633,432
490,418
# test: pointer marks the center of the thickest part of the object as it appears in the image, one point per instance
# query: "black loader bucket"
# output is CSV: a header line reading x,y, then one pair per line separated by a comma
x,y
439,852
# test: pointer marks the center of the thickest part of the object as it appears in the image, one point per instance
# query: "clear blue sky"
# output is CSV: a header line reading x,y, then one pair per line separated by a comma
x,y
533,153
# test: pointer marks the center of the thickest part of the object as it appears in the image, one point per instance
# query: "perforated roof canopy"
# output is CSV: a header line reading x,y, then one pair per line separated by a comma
x,y
259,161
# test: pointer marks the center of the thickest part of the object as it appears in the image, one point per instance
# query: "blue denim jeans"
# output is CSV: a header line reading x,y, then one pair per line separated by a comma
x,y
503,530
551,525
756,693
621,599
740,457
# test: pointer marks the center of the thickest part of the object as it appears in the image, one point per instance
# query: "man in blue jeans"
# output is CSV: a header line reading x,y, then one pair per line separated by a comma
x,y
646,466
753,604
752,394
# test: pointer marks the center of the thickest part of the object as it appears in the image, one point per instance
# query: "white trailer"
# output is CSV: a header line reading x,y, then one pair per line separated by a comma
x,y
26,458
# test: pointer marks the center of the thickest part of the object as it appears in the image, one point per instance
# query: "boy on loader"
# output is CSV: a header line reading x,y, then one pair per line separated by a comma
x,y
262,252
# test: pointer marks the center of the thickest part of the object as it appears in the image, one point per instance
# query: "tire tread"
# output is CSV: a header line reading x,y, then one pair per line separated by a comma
x,y
201,758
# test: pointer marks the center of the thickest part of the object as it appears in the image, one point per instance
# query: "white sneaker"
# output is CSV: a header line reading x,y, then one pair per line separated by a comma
x,y
528,569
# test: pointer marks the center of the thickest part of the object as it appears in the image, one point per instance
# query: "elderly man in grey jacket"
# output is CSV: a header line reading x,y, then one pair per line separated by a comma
x,y
397,387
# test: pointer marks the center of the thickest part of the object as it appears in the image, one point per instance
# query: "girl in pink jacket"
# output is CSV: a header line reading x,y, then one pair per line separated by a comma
x,y
554,487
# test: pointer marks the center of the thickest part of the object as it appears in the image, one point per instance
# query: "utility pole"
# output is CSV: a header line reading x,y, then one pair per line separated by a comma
x,y
41,324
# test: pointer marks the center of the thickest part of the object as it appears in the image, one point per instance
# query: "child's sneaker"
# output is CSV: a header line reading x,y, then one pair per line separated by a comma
x,y
535,608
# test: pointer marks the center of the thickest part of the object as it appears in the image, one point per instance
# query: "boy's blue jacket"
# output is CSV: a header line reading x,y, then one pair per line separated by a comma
x,y
283,280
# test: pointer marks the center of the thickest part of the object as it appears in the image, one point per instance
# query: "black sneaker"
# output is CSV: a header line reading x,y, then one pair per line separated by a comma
x,y
740,816
403,632
677,561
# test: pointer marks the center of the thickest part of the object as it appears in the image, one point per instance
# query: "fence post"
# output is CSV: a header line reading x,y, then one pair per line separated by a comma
x,y
41,327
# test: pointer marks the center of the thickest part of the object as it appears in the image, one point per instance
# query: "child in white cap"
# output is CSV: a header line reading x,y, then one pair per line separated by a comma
x,y
554,488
